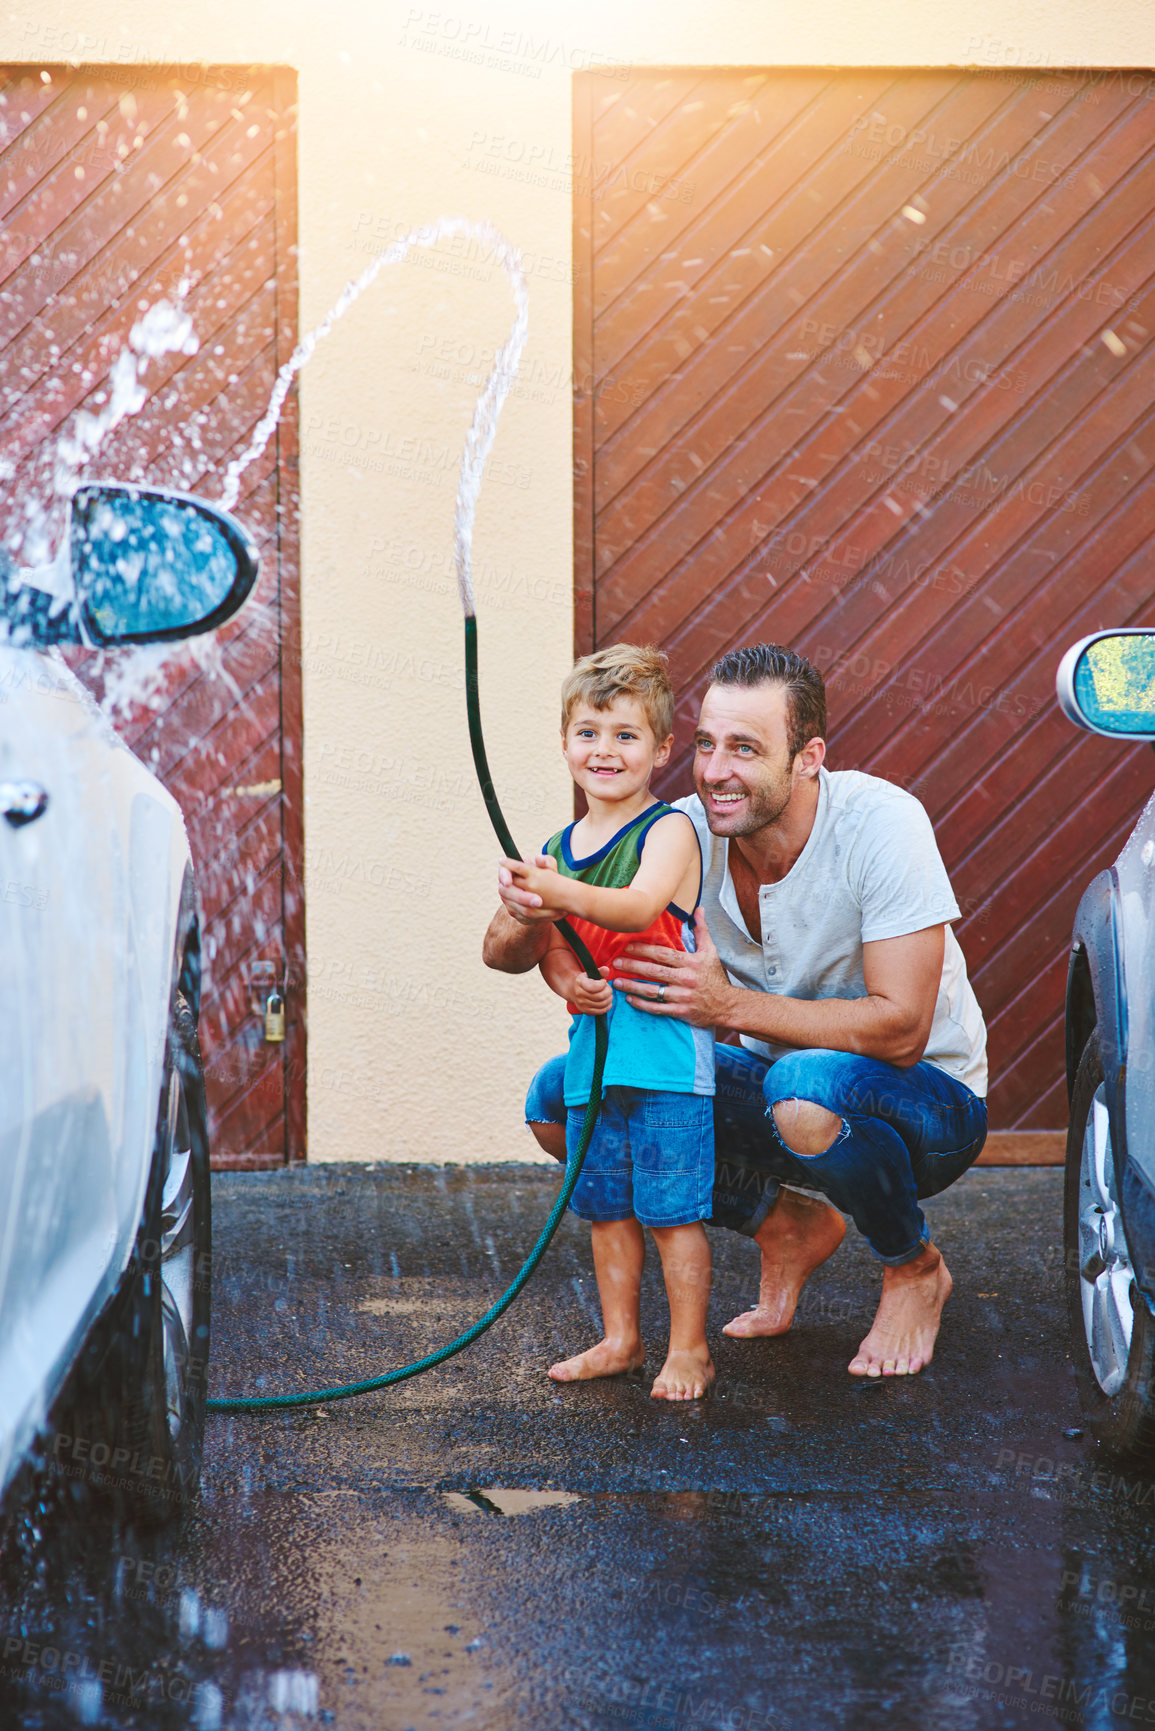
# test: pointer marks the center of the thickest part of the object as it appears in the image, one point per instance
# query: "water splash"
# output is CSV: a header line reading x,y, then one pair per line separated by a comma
x,y
136,677
482,428
163,329
131,677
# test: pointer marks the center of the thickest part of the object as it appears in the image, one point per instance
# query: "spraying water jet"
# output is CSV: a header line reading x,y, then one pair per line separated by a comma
x,y
478,441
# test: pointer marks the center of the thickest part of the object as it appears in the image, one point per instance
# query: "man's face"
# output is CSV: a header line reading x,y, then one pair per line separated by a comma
x,y
743,771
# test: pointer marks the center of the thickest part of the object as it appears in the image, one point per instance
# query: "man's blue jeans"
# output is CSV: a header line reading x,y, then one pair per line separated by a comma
x,y
906,1133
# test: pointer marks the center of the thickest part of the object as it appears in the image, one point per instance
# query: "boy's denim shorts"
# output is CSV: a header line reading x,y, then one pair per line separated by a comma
x,y
651,1158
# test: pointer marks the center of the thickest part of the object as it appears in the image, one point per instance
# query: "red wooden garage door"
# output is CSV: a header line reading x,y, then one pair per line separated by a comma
x,y
122,188
863,366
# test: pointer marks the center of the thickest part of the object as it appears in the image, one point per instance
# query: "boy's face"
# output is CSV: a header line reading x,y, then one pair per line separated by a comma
x,y
612,753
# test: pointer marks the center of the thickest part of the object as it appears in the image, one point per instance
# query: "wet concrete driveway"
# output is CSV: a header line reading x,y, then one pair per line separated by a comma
x,y
479,1548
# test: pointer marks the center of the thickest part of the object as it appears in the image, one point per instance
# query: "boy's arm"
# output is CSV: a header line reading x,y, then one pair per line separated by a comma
x,y
564,974
671,846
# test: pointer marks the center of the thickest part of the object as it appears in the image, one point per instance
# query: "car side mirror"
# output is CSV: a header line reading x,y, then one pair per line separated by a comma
x,y
150,566
141,565
1106,683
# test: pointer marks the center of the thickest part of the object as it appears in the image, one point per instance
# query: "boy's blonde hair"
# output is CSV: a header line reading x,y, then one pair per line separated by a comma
x,y
622,670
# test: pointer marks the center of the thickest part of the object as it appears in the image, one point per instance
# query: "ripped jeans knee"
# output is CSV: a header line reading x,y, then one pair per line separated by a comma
x,y
904,1133
806,1128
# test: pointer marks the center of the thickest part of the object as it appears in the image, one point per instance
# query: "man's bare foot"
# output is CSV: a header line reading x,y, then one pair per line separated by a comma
x,y
902,1335
684,1376
604,1359
798,1234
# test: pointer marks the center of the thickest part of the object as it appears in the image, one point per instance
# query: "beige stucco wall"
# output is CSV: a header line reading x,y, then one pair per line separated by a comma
x,y
410,112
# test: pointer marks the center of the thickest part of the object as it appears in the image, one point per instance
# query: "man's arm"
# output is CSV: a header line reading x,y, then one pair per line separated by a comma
x,y
892,1022
513,948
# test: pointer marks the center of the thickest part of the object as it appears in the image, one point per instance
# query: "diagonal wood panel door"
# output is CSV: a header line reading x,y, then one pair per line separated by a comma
x,y
872,376
124,192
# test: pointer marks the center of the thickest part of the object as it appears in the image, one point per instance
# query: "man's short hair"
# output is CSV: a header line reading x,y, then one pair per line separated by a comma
x,y
622,670
772,664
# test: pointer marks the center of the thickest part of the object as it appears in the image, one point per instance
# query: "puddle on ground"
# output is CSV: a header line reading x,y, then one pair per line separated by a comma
x,y
495,1500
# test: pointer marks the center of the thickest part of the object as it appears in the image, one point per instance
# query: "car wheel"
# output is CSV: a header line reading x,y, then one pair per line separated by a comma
x,y
179,1277
138,1412
1111,1327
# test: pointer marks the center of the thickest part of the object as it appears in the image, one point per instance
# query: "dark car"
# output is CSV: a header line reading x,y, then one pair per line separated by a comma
x,y
1106,684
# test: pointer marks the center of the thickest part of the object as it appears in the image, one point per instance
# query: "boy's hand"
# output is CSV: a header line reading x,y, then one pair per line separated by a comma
x,y
591,997
523,906
539,879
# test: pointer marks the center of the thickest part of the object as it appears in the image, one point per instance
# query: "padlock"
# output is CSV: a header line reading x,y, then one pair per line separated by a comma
x,y
275,1017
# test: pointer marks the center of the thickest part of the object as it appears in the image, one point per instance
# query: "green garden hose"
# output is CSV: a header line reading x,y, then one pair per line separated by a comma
x,y
314,1398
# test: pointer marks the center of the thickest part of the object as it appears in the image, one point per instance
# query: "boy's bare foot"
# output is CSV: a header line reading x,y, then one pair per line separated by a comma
x,y
902,1335
798,1234
604,1359
686,1375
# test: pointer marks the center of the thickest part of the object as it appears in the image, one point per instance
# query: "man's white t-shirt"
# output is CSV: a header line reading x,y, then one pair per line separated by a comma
x,y
871,869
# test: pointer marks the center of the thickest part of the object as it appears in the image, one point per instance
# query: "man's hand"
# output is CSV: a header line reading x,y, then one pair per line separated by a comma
x,y
523,904
691,987
892,1022
520,932
538,878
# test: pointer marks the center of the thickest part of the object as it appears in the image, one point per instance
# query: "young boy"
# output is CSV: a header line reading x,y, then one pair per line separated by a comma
x,y
631,871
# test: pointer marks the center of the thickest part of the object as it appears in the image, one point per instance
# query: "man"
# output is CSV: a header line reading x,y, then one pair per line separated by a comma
x,y
826,945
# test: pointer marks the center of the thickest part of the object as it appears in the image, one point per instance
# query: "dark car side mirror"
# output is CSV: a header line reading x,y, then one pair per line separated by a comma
x,y
1106,684
147,565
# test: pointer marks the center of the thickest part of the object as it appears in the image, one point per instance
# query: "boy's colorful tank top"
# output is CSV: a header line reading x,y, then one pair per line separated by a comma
x,y
655,1052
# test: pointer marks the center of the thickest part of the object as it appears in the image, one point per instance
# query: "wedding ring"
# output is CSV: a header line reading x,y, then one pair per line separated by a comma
x,y
661,994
